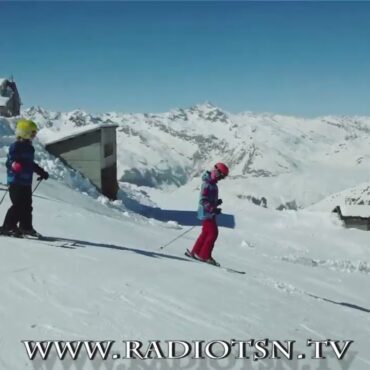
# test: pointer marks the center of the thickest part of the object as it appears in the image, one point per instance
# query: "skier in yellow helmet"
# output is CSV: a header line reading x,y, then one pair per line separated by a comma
x,y
20,168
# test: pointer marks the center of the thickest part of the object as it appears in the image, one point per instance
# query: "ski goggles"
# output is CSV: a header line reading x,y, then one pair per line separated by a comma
x,y
220,175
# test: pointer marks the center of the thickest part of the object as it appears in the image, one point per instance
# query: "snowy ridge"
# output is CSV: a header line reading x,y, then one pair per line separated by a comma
x,y
271,156
357,195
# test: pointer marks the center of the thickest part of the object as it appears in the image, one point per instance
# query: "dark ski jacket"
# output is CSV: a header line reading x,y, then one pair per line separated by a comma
x,y
22,151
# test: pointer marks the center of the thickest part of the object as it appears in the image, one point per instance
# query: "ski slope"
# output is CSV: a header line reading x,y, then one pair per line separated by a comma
x,y
306,278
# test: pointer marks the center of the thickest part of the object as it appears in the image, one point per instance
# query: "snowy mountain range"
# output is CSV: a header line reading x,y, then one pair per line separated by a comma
x,y
290,161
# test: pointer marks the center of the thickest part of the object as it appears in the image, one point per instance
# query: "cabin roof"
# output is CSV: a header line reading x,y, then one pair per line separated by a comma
x,y
80,131
362,211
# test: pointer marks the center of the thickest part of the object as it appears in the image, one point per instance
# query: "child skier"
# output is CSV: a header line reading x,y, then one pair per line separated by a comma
x,y
20,167
207,211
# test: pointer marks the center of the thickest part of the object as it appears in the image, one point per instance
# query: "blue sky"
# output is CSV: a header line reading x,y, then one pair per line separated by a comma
x,y
301,58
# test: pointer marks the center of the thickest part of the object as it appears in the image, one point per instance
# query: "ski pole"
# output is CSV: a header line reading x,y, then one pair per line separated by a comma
x,y
7,189
36,186
6,192
178,237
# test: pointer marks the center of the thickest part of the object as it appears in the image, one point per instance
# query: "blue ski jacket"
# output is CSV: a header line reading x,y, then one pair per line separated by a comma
x,y
22,151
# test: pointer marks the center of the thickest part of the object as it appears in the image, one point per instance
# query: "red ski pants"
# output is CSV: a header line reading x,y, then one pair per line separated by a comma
x,y
204,245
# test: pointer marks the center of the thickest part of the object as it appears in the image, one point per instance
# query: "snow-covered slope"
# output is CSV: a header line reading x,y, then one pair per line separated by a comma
x,y
306,278
284,159
357,195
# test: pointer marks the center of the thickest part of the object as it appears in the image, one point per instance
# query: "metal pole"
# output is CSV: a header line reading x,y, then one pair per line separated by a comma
x,y
6,192
36,186
7,189
178,237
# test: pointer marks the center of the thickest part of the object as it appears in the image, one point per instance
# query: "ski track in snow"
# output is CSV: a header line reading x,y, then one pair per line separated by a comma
x,y
317,334
336,265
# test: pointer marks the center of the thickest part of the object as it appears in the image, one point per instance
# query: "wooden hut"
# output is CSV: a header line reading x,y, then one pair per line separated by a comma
x,y
354,216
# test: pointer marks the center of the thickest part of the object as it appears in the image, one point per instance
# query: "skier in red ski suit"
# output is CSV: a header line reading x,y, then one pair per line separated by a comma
x,y
207,212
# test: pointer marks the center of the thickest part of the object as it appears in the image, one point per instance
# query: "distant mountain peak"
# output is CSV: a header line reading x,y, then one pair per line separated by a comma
x,y
36,109
209,112
204,105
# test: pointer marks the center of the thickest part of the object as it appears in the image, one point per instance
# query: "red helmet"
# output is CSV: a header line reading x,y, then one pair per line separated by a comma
x,y
222,168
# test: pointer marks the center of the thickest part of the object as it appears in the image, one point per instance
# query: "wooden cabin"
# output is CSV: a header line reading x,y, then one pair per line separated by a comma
x,y
354,216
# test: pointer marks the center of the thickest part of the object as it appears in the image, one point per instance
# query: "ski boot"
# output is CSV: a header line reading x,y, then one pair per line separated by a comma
x,y
12,232
30,232
212,261
188,254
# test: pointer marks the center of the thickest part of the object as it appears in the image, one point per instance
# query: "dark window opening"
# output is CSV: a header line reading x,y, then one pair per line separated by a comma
x,y
108,150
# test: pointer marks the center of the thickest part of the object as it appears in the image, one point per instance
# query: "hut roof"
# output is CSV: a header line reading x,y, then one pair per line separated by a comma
x,y
362,211
79,131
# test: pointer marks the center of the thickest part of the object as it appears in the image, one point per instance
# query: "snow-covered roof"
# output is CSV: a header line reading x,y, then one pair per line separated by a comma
x,y
355,211
79,131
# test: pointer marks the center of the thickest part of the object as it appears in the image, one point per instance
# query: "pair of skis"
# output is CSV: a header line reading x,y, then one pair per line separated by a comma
x,y
228,269
55,242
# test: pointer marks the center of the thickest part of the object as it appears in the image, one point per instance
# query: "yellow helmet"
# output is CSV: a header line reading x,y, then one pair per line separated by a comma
x,y
25,128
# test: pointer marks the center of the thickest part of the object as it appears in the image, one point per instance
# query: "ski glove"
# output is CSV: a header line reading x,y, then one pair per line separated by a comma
x,y
43,175
218,211
219,202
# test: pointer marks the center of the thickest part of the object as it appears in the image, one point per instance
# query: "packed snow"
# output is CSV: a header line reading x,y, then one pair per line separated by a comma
x,y
108,278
